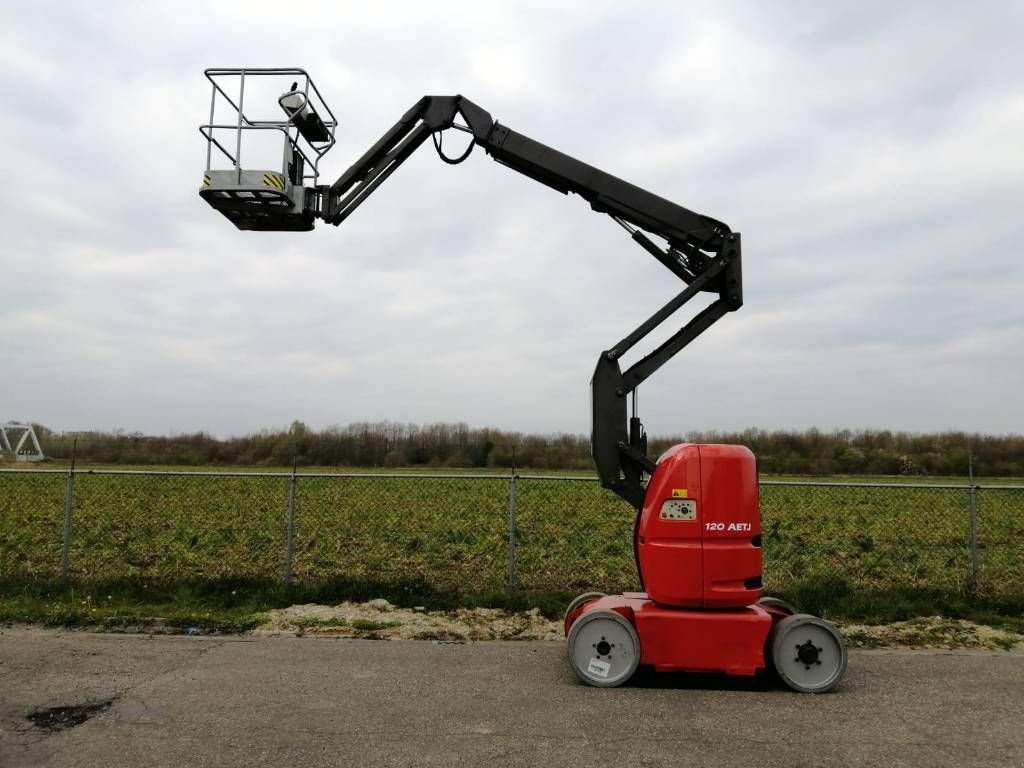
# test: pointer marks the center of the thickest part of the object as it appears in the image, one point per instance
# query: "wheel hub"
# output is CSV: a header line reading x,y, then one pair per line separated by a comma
x,y
807,653
603,648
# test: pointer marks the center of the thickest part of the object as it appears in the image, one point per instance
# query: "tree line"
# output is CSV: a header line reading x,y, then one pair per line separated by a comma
x,y
396,445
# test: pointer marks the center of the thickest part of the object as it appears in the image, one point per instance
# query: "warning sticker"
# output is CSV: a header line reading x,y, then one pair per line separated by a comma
x,y
678,493
273,180
599,668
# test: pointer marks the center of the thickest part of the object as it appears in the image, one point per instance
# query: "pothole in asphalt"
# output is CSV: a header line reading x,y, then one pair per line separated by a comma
x,y
60,718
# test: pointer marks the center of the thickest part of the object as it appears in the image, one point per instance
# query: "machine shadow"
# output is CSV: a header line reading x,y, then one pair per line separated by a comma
x,y
648,678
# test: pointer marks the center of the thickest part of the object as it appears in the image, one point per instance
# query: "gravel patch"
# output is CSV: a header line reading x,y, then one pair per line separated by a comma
x,y
380,620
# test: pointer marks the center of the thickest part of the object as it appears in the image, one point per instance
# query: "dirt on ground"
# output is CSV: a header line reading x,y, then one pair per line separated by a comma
x,y
380,620
932,632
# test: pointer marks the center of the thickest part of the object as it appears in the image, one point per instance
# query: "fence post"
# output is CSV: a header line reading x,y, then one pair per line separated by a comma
x,y
510,576
290,529
972,518
69,499
65,550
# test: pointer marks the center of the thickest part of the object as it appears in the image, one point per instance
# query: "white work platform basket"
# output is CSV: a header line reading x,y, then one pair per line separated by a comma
x,y
275,188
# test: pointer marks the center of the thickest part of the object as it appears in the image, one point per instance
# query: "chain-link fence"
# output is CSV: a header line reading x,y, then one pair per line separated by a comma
x,y
482,532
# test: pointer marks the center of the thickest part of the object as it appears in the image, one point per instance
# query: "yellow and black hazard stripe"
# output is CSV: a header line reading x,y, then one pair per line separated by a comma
x,y
273,180
206,180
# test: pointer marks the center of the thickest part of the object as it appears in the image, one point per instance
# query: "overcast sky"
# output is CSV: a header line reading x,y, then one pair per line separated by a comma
x,y
872,155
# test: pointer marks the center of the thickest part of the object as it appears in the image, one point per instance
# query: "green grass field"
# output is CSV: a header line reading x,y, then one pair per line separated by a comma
x,y
866,551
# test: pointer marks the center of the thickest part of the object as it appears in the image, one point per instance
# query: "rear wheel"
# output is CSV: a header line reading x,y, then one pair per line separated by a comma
x,y
778,602
586,597
808,653
604,649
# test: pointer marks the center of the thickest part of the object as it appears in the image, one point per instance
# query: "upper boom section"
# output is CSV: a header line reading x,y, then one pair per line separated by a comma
x,y
681,227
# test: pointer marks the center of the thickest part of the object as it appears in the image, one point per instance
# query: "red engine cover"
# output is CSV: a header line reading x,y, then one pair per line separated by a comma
x,y
699,537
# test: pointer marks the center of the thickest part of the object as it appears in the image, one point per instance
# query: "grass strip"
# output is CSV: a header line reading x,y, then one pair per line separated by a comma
x,y
238,605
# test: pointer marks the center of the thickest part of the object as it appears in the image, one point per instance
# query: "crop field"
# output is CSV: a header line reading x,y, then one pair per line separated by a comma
x,y
452,533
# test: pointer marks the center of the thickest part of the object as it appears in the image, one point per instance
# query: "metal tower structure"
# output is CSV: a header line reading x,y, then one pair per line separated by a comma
x,y
26,445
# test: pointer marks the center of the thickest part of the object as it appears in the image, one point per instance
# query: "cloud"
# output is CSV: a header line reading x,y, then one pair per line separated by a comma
x,y
869,154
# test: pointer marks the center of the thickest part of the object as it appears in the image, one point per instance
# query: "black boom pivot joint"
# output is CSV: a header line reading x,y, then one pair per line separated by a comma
x,y
621,459
702,252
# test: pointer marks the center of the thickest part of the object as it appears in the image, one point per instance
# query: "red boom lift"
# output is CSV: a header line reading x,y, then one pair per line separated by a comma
x,y
697,537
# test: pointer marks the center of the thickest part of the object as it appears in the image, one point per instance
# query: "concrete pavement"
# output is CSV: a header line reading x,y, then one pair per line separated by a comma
x,y
243,701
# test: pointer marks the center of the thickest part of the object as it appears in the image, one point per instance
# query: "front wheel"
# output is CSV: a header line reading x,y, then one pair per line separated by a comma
x,y
808,653
604,648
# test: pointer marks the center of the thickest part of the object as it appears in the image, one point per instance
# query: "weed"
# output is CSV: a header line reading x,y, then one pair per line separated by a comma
x,y
310,622
369,625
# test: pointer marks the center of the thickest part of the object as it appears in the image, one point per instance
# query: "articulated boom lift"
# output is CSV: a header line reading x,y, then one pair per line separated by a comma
x,y
697,537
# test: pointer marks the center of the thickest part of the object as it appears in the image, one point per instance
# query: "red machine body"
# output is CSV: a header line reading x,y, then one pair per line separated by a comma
x,y
730,641
698,547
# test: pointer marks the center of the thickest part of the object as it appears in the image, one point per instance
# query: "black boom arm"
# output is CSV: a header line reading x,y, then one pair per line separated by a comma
x,y
701,251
